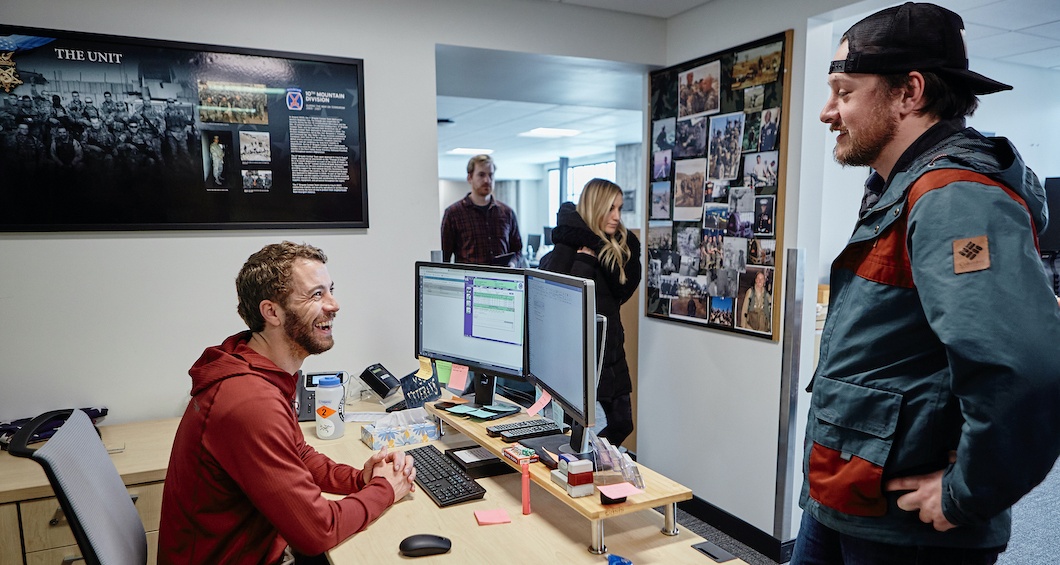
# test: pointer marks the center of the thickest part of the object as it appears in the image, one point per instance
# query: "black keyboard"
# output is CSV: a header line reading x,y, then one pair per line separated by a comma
x,y
494,431
546,429
442,478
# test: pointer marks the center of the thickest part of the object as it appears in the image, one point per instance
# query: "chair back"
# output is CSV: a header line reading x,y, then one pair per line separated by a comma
x,y
91,493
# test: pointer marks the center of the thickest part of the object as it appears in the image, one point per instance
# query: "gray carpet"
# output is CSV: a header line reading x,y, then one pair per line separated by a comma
x,y
1035,529
1036,526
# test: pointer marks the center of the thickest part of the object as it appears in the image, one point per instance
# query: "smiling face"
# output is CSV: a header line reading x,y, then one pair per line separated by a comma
x,y
310,309
862,110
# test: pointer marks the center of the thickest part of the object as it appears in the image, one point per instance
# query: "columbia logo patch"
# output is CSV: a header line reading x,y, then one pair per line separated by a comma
x,y
970,255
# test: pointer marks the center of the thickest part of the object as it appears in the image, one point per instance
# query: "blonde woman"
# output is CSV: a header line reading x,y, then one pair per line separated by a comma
x,y
591,242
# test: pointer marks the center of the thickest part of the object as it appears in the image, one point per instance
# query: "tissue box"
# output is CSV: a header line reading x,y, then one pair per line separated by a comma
x,y
395,436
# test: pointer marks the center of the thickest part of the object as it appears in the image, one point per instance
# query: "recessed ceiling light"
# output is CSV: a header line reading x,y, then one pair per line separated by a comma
x,y
468,151
550,132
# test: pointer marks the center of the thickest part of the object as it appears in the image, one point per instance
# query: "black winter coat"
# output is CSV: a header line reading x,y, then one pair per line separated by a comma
x,y
570,234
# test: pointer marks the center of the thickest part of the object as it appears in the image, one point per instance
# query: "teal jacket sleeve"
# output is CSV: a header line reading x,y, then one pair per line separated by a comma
x,y
986,295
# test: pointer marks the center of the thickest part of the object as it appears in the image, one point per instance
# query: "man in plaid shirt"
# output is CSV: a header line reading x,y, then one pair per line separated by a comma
x,y
478,229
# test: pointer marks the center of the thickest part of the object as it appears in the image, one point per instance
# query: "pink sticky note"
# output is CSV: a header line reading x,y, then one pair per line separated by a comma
x,y
619,490
488,517
458,378
541,402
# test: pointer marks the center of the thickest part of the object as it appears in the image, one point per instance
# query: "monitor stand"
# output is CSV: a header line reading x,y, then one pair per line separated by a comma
x,y
485,386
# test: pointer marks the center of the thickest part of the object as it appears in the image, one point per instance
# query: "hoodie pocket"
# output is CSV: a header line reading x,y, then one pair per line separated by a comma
x,y
852,437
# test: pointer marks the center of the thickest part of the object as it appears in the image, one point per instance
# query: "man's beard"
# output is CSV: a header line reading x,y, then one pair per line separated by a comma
x,y
301,333
865,148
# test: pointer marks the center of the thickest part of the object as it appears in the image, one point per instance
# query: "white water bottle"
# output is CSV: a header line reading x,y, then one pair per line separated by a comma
x,y
329,399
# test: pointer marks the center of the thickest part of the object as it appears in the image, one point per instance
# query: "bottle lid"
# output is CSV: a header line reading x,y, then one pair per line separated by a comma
x,y
329,381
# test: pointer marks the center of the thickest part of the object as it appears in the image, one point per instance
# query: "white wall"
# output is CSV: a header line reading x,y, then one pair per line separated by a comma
x,y
709,401
116,319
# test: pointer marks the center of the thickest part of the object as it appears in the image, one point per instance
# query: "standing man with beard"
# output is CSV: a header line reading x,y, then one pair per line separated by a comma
x,y
243,486
478,229
935,399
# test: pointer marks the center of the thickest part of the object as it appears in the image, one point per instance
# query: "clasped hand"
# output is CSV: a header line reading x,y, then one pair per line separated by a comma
x,y
396,467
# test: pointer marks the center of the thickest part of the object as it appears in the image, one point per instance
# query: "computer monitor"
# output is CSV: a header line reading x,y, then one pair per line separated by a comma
x,y
548,235
472,315
534,240
1049,241
561,346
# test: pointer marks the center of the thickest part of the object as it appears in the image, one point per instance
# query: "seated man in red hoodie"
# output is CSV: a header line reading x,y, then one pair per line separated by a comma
x,y
243,486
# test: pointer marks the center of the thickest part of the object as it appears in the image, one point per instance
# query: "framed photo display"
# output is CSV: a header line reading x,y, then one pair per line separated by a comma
x,y
717,154
102,132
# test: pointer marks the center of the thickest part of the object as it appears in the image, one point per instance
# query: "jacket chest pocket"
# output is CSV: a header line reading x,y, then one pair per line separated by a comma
x,y
852,437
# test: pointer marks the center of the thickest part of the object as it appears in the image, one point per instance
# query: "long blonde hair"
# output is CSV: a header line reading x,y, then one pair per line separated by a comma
x,y
593,206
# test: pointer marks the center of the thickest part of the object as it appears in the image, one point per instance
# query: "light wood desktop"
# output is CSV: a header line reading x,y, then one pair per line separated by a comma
x,y
553,531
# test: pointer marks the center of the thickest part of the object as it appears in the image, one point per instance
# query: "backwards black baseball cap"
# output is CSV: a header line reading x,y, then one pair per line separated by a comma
x,y
912,37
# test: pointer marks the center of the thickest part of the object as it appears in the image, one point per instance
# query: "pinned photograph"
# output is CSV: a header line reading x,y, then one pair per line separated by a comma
x,y
661,164
716,191
689,307
669,263
654,272
710,251
668,286
753,98
691,138
759,65
721,312
751,129
663,134
770,127
660,236
755,306
660,201
722,282
734,254
689,181
760,171
761,251
726,138
698,90
686,238
716,216
764,214
656,304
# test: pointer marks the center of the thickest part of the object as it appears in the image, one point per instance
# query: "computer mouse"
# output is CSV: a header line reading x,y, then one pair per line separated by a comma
x,y
419,545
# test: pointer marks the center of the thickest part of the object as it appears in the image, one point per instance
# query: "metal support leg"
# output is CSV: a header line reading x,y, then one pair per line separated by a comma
x,y
597,546
670,520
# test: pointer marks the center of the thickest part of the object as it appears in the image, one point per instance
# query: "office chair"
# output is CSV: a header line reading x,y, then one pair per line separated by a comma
x,y
91,493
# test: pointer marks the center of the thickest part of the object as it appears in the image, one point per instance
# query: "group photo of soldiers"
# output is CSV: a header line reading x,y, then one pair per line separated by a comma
x,y
91,136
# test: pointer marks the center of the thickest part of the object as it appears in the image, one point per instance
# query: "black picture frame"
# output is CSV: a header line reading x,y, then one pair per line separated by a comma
x,y
718,152
192,136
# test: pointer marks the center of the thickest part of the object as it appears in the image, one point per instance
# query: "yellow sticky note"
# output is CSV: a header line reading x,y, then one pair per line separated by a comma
x,y
444,368
458,377
425,371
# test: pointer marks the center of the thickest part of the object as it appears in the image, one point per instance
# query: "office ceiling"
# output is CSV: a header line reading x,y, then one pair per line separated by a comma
x,y
490,96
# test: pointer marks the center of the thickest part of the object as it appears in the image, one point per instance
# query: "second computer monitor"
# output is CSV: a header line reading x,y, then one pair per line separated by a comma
x,y
472,315
561,345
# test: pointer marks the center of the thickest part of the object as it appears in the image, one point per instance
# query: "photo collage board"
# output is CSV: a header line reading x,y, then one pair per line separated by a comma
x,y
716,188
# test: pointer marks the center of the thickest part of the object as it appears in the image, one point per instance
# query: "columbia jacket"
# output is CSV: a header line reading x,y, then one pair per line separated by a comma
x,y
942,335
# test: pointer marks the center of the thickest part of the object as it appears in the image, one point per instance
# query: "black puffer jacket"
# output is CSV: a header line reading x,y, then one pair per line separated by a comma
x,y
570,234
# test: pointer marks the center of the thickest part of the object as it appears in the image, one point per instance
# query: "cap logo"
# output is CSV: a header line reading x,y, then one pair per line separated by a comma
x,y
837,67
